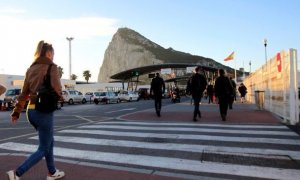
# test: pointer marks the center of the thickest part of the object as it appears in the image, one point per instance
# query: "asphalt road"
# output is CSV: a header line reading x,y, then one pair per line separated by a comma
x,y
71,116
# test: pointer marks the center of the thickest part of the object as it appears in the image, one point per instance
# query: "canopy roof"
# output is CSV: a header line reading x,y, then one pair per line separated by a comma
x,y
124,75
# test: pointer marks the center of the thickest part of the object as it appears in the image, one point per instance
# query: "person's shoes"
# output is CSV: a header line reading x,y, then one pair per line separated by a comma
x,y
11,175
57,175
195,119
223,116
199,114
158,113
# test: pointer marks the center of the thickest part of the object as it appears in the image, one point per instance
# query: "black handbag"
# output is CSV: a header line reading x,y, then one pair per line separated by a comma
x,y
46,97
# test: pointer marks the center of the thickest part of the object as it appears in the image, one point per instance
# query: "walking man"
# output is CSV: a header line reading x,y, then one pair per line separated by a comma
x,y
157,89
198,85
223,91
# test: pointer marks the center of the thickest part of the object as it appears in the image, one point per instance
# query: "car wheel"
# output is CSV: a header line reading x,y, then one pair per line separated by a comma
x,y
118,100
130,99
107,101
71,101
84,101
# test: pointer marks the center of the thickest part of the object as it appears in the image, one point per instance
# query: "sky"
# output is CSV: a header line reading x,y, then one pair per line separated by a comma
x,y
207,28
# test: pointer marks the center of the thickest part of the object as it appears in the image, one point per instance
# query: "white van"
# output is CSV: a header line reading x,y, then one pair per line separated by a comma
x,y
73,96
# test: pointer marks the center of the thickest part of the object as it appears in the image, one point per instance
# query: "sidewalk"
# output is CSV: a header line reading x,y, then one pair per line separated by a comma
x,y
73,171
180,112
242,113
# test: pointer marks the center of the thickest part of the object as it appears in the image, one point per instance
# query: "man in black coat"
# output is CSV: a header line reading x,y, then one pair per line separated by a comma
x,y
224,92
157,89
198,85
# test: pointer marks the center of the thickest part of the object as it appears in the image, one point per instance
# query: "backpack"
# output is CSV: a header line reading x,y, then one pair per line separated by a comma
x,y
47,98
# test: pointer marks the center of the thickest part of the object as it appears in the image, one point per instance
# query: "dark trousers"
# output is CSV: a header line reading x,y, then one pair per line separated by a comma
x,y
157,103
231,100
223,105
197,105
210,98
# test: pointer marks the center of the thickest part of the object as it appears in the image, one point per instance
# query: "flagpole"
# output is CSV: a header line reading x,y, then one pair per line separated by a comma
x,y
235,72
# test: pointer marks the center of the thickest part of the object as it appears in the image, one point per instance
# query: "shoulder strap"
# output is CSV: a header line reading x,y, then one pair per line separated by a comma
x,y
47,78
49,70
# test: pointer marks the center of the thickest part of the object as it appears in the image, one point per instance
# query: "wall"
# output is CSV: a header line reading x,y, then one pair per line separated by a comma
x,y
278,81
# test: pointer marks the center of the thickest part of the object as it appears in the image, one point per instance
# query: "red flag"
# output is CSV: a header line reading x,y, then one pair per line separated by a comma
x,y
230,57
279,62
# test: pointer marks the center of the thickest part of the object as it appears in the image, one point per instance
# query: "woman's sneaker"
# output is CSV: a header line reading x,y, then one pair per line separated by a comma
x,y
11,175
57,175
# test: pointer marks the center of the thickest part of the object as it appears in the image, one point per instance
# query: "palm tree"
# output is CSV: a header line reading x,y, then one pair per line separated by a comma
x,y
60,71
73,77
87,75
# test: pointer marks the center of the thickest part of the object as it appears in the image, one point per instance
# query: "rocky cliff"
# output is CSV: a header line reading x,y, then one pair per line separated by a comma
x,y
129,49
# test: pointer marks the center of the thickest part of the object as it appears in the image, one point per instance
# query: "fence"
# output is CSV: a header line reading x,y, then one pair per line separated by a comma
x,y
277,79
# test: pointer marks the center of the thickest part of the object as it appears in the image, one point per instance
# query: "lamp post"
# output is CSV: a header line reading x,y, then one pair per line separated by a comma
x,y
70,57
266,43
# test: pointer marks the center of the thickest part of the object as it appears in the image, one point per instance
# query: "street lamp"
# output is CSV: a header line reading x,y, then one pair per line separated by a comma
x,y
266,43
70,57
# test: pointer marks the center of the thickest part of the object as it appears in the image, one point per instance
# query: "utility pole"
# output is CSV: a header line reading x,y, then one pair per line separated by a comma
x,y
70,56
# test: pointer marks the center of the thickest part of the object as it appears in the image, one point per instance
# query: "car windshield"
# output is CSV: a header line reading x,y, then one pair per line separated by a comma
x,y
12,92
102,94
97,93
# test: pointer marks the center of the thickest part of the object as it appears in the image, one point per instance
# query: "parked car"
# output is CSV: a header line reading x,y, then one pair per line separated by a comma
x,y
128,96
106,97
10,98
144,93
73,96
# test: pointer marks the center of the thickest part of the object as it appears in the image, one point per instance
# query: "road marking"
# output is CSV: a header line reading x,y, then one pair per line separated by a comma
x,y
83,118
197,129
200,125
184,136
253,152
128,109
166,162
32,134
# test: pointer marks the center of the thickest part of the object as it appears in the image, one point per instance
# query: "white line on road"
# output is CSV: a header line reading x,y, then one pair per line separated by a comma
x,y
166,162
128,109
250,152
184,136
199,125
83,118
195,129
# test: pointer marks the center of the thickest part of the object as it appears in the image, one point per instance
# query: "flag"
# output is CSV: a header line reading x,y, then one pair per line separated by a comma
x,y
230,57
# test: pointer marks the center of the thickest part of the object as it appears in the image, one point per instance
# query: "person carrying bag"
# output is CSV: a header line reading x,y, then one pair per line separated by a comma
x,y
39,114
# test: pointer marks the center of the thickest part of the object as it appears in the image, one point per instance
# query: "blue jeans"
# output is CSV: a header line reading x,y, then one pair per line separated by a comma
x,y
43,122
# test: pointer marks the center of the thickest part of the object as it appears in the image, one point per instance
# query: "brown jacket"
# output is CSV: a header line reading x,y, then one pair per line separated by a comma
x,y
33,80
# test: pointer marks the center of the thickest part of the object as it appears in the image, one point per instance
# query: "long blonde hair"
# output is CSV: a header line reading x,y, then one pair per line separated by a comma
x,y
41,49
38,50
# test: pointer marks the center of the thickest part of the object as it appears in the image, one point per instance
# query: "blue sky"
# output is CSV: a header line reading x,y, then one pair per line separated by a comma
x,y
206,28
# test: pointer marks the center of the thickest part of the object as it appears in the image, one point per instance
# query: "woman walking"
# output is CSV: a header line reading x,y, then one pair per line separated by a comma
x,y
41,121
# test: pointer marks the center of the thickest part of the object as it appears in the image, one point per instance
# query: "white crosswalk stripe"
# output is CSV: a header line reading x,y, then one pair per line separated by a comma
x,y
176,147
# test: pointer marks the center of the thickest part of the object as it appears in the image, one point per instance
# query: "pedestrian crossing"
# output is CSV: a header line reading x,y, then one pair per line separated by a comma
x,y
202,150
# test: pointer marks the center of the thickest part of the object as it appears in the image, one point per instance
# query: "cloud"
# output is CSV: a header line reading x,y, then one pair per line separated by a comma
x,y
10,10
19,35
81,28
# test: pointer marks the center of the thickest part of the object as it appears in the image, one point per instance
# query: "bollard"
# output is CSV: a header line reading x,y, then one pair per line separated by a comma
x,y
260,99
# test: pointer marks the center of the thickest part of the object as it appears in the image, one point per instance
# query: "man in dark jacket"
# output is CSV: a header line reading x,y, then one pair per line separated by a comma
x,y
224,92
157,89
198,85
